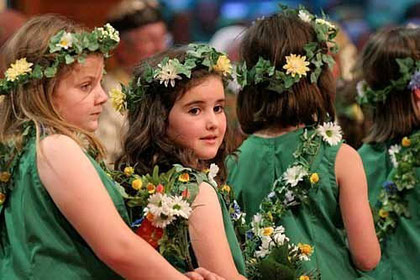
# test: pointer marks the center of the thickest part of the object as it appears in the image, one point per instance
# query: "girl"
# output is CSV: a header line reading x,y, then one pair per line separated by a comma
x,y
390,65
176,116
61,217
285,104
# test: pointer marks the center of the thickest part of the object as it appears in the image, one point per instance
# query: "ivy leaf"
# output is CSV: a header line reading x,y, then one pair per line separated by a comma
x,y
69,59
50,72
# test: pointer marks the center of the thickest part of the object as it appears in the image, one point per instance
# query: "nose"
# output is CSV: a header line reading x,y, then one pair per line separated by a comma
x,y
101,96
211,121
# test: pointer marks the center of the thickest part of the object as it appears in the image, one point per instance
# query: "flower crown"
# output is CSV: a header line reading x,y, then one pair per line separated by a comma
x,y
68,47
170,70
410,78
296,65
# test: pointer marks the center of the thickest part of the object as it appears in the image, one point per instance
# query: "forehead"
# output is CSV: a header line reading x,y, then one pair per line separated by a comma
x,y
92,66
209,88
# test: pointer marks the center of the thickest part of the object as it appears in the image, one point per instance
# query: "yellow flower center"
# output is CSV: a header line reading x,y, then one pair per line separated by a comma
x,y
137,184
304,277
267,231
4,177
305,249
314,178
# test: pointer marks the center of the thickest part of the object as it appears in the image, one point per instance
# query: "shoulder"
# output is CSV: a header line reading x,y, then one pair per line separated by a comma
x,y
59,148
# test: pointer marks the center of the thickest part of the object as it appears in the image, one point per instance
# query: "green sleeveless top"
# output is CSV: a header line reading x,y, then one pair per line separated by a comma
x,y
401,249
260,162
36,240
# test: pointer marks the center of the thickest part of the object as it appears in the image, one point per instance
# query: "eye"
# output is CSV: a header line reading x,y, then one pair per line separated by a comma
x,y
86,87
219,109
194,111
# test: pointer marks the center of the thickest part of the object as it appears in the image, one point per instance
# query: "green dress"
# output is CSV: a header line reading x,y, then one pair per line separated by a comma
x,y
260,162
36,240
401,249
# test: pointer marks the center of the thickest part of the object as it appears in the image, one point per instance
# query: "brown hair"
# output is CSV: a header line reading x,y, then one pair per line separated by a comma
x,y
33,101
396,117
146,143
274,38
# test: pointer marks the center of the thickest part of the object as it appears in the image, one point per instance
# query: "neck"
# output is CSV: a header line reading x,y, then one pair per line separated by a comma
x,y
272,132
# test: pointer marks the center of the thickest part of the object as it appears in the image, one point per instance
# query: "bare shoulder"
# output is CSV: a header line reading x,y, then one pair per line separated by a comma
x,y
58,145
348,165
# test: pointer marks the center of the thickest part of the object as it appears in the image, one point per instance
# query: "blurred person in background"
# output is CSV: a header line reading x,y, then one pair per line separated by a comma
x,y
10,22
143,33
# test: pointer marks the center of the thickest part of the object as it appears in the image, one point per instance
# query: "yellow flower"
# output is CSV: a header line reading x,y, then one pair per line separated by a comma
x,y
118,99
296,64
151,188
20,67
137,184
184,177
128,171
267,231
2,198
223,65
314,178
225,188
4,177
406,142
305,249
270,216
357,112
383,213
304,277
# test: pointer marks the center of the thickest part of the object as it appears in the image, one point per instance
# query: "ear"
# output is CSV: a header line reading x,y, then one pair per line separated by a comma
x,y
416,94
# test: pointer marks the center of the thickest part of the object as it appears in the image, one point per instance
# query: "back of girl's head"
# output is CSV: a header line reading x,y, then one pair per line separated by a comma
x,y
146,143
396,116
273,39
32,101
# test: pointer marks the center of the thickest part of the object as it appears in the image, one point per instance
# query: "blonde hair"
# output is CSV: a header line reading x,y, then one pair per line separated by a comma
x,y
32,102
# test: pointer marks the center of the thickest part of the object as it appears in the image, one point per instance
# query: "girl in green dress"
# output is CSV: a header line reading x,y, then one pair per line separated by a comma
x,y
176,116
294,153
390,73
61,216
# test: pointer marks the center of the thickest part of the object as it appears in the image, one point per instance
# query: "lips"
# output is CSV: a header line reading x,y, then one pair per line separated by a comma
x,y
211,139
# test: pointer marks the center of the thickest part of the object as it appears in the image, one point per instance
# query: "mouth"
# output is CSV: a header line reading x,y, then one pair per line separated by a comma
x,y
211,139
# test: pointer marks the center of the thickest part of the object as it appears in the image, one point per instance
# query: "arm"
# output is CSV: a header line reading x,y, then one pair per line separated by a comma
x,y
78,192
208,235
355,209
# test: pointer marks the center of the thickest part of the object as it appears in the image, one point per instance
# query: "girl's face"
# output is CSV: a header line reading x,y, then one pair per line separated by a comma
x,y
197,120
79,96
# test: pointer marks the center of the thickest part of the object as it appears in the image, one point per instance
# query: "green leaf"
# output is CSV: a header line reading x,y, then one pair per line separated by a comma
x,y
69,59
50,72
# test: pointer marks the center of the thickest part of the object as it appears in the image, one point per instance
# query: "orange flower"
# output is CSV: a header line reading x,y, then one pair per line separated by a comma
x,y
150,233
406,142
4,176
160,188
151,188
2,198
305,249
184,177
186,194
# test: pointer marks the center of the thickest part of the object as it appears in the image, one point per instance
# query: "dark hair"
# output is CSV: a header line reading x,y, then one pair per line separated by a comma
x,y
274,38
377,65
132,14
146,143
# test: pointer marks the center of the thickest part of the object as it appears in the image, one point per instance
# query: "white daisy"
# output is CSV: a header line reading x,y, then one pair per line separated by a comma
x,y
392,151
159,205
167,74
66,41
304,16
361,88
214,169
293,175
289,198
162,220
325,22
180,207
330,132
279,237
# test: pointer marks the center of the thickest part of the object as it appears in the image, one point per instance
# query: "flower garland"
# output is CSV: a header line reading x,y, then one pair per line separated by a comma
x,y
160,205
268,252
297,66
392,205
410,79
10,153
170,70
68,47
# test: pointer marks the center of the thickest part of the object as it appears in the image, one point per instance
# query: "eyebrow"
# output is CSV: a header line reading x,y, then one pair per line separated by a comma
x,y
201,102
